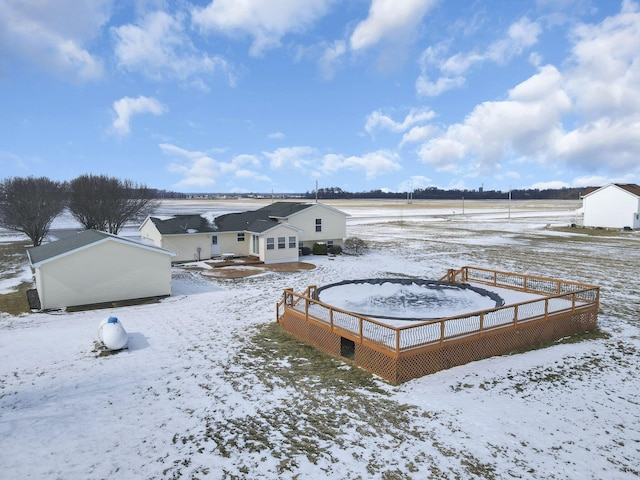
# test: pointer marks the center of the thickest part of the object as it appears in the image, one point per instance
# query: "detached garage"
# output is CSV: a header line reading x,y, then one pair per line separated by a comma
x,y
616,205
95,267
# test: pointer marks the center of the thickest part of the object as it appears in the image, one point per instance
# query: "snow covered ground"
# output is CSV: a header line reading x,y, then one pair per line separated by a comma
x,y
209,388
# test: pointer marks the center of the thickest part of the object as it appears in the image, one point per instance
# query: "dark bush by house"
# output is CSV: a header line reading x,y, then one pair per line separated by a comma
x,y
335,250
306,251
319,248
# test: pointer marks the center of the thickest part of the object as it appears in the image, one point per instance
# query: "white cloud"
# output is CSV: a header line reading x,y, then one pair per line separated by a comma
x,y
39,32
276,136
450,71
427,88
521,35
299,158
432,57
198,169
415,182
310,162
604,80
418,134
252,175
551,185
527,122
614,142
126,107
372,164
378,120
331,58
601,180
266,21
585,116
159,47
246,159
201,170
388,19
606,75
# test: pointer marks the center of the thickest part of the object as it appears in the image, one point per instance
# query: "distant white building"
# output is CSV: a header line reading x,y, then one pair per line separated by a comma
x,y
612,206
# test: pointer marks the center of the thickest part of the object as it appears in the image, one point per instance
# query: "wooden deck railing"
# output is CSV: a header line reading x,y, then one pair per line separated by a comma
x,y
559,298
514,281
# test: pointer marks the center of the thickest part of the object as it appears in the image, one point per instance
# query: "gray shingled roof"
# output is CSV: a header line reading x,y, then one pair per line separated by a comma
x,y
629,187
79,240
181,224
284,209
259,220
253,221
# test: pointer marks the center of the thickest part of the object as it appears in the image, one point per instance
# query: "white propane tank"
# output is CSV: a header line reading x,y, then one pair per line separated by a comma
x,y
112,334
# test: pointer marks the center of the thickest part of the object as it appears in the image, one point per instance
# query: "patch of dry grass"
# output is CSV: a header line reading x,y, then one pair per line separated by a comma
x,y
256,269
12,258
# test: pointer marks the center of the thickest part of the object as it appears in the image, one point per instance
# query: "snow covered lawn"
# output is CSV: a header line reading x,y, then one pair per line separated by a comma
x,y
209,387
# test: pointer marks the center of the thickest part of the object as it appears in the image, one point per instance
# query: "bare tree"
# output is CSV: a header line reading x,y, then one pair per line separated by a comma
x,y
29,205
107,203
355,245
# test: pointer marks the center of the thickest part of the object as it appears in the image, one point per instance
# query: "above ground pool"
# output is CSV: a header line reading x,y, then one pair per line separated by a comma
x,y
407,299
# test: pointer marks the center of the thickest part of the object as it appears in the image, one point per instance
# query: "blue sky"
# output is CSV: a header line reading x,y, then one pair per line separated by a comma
x,y
274,95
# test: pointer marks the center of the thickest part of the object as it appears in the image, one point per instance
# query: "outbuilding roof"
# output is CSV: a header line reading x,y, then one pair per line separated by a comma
x,y
632,188
48,251
182,224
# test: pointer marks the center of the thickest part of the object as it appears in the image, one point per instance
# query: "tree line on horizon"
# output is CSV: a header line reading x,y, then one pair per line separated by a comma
x,y
429,193
434,193
29,205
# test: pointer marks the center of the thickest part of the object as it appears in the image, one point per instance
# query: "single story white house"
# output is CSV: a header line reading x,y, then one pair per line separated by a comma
x,y
93,267
191,237
275,233
615,205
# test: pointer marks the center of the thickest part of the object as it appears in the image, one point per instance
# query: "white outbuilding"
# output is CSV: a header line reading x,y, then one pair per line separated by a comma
x,y
615,205
93,267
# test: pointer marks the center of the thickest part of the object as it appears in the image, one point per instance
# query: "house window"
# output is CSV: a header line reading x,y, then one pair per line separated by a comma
x,y
241,236
271,243
282,242
292,242
329,243
214,240
318,224
256,244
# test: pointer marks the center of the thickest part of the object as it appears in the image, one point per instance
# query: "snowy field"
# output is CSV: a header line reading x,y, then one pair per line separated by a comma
x,y
210,388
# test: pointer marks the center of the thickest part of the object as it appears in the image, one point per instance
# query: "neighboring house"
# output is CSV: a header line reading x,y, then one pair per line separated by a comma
x,y
612,206
191,237
93,267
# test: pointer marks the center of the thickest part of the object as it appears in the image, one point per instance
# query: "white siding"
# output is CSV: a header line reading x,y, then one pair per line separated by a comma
x,y
277,254
186,246
229,243
106,272
333,225
611,207
149,234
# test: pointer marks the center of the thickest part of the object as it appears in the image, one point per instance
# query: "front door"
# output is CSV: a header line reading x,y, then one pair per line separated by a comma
x,y
215,248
